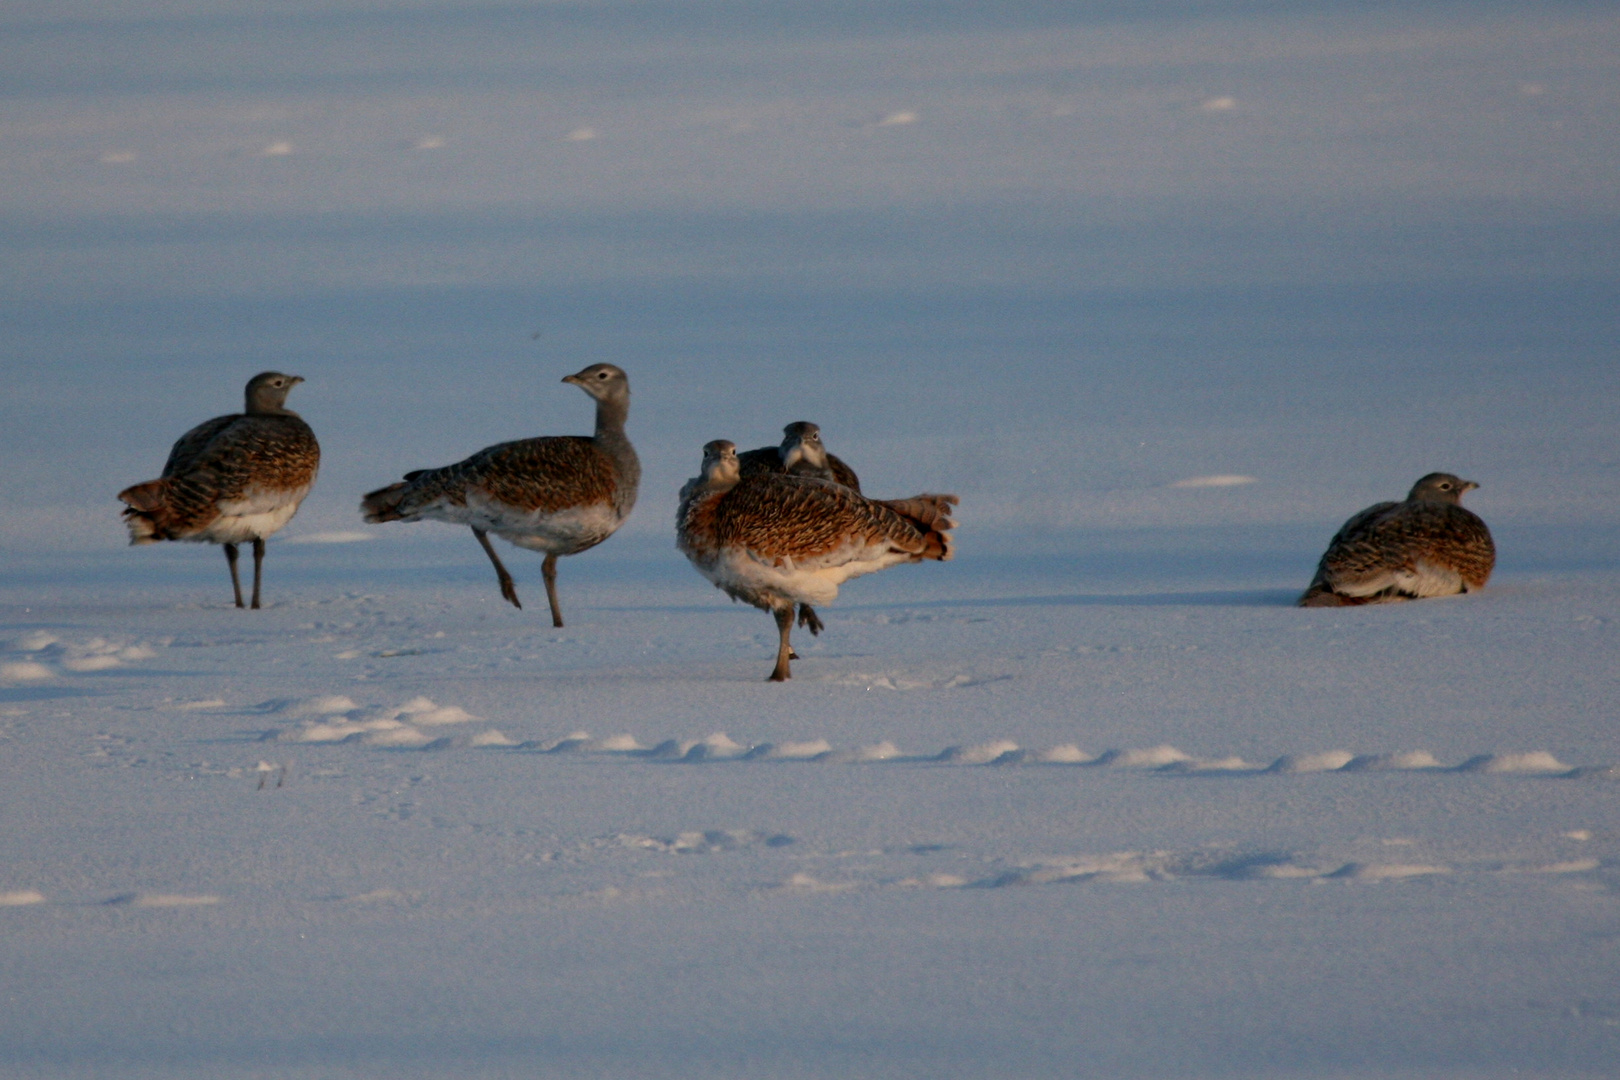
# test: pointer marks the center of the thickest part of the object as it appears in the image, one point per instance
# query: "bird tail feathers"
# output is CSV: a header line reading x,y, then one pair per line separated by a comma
x,y
384,503
931,514
147,512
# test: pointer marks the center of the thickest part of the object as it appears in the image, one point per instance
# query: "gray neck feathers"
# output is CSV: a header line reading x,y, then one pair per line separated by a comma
x,y
268,402
611,439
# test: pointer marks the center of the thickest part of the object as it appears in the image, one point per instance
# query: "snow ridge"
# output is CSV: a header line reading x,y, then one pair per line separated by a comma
x,y
340,720
417,724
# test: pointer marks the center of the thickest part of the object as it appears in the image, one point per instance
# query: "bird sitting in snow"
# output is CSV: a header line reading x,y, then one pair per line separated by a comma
x,y
801,453
232,479
559,494
777,540
1426,546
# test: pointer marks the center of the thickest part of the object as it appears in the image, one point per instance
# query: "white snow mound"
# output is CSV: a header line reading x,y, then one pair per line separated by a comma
x,y
1536,761
25,671
1327,761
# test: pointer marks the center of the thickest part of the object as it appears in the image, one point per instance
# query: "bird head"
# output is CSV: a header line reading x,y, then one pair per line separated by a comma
x,y
720,467
1440,487
801,441
267,391
604,382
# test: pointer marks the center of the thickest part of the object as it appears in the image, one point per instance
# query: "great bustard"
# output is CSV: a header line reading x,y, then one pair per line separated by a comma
x,y
558,494
776,540
1426,546
232,479
801,453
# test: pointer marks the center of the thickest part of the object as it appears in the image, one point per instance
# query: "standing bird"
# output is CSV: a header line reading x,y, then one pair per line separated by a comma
x,y
1426,546
777,540
559,494
801,454
233,478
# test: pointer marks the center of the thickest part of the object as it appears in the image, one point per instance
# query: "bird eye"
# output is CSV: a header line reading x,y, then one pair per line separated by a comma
x,y
1445,487
601,374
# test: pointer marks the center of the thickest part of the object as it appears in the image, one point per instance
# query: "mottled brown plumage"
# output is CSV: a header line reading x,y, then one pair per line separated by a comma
x,y
1426,546
801,453
558,494
231,479
777,540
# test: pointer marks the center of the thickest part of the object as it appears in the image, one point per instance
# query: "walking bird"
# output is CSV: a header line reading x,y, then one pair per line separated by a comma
x,y
558,494
777,540
232,479
1426,546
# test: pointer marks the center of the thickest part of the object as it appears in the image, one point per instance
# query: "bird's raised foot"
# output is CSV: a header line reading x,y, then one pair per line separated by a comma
x,y
809,620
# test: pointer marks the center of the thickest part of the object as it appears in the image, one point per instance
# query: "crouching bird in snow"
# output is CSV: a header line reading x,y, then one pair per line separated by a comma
x,y
776,540
231,479
1426,546
559,494
801,453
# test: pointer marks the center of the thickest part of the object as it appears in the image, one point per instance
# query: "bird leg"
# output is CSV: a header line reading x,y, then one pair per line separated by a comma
x,y
258,567
810,621
784,651
508,590
548,570
236,582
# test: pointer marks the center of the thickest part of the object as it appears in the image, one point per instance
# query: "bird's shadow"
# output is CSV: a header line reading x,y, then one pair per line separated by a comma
x,y
1217,598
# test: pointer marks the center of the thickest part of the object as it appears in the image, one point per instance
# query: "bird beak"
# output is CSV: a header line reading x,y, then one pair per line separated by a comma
x,y
572,379
1469,485
296,379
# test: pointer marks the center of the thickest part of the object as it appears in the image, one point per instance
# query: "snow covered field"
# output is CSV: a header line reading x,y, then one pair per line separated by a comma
x,y
1019,817
1163,291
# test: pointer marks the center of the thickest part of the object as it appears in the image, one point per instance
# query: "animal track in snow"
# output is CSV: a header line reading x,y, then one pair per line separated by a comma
x,y
335,718
40,655
1139,867
694,842
911,680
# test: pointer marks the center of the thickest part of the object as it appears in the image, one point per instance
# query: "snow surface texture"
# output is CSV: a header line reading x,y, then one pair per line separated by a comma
x,y
1025,814
1164,292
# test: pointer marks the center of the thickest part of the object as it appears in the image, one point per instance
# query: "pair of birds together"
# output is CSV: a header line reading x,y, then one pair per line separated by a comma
x,y
780,527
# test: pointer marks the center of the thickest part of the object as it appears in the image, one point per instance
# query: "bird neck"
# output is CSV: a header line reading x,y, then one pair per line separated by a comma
x,y
610,416
612,440
259,406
